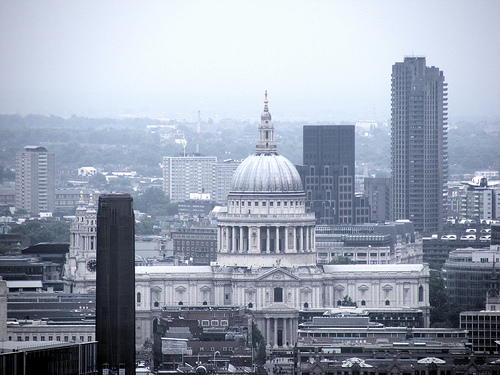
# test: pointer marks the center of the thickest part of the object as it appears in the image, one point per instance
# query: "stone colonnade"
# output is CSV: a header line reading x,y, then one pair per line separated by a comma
x,y
279,331
266,239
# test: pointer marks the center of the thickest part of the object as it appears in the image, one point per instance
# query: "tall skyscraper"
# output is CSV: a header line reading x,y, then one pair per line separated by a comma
x,y
115,283
419,143
35,180
328,172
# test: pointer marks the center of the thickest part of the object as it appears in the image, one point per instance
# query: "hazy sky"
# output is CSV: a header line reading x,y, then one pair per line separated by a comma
x,y
319,60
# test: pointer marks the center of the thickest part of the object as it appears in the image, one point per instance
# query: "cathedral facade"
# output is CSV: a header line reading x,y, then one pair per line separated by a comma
x,y
266,259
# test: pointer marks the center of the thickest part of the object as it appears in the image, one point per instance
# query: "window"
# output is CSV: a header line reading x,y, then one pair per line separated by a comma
x,y
51,338
224,323
138,297
205,323
420,293
42,338
73,338
387,302
66,338
89,338
363,303
278,294
215,323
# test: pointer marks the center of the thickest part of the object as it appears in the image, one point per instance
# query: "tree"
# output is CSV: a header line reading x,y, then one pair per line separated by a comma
x,y
347,301
154,202
98,180
145,226
259,344
443,312
41,231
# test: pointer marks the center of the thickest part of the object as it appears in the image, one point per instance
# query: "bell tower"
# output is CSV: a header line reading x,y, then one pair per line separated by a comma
x,y
80,268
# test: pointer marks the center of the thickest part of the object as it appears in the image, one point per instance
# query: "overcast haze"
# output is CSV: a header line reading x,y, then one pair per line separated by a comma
x,y
319,60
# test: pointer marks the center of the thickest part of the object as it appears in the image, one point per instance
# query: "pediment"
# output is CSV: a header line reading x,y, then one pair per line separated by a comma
x,y
278,274
387,287
250,290
339,288
363,288
156,289
180,289
278,306
205,288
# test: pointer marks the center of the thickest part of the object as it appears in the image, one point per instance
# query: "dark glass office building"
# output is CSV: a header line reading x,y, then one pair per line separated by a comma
x,y
115,308
328,172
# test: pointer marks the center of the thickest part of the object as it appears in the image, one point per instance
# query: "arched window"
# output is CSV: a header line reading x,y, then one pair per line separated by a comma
x,y
420,293
157,304
181,303
138,297
339,303
387,302
363,303
278,294
306,305
250,305
205,303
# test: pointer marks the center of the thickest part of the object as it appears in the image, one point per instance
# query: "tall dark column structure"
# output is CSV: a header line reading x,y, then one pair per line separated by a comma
x,y
329,153
419,143
115,307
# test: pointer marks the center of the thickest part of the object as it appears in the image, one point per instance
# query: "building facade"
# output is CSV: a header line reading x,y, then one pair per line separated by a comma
x,y
35,180
418,143
185,175
195,246
467,274
329,154
266,260
378,192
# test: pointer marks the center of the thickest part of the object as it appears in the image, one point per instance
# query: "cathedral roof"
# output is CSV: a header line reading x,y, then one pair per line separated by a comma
x,y
266,171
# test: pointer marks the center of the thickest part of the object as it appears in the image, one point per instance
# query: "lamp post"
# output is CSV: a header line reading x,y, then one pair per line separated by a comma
x,y
215,353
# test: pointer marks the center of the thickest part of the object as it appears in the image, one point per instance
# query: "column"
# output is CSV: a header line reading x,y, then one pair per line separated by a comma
x,y
285,333
275,338
301,240
277,239
268,242
268,331
233,239
295,240
240,250
307,239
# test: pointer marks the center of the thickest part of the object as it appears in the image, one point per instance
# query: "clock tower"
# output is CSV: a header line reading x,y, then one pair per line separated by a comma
x,y
80,269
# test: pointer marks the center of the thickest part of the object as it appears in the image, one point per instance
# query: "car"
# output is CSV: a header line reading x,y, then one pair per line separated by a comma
x,y
468,237
485,238
449,237
470,230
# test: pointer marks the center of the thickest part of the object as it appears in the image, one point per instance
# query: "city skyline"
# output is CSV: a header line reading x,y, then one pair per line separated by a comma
x,y
167,59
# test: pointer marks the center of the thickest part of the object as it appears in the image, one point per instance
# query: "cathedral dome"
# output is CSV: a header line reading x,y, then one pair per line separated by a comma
x,y
266,173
